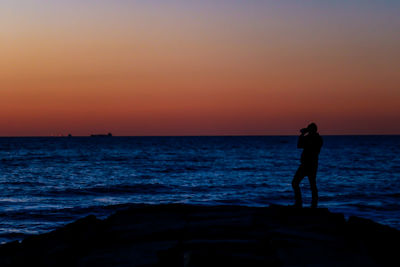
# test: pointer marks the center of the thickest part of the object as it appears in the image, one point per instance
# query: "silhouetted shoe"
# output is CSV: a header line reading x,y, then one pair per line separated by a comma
x,y
299,206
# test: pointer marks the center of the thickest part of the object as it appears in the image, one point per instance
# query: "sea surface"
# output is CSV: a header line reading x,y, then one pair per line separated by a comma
x,y
48,182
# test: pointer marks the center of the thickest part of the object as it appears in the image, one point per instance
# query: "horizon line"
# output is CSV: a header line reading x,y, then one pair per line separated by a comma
x,y
222,135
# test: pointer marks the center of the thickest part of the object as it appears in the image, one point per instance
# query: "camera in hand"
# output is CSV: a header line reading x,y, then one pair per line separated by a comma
x,y
304,130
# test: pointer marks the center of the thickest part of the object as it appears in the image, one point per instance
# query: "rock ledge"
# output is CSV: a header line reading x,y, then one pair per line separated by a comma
x,y
190,235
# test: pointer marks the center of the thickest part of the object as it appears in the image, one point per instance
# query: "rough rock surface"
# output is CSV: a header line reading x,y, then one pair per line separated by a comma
x,y
187,235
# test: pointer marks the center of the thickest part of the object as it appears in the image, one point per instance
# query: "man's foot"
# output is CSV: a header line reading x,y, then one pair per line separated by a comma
x,y
297,205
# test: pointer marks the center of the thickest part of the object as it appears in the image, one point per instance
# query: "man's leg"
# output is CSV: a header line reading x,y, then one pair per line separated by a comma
x,y
314,191
296,186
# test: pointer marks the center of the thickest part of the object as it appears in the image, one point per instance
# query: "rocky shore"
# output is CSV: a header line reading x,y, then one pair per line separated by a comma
x,y
188,235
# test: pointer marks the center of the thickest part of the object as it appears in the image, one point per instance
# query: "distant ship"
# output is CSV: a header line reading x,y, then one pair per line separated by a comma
x,y
101,135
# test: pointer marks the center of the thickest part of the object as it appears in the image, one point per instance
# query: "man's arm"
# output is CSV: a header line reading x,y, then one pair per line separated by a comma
x,y
300,141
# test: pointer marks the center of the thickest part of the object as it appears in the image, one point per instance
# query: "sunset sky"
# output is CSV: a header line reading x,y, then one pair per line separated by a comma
x,y
220,67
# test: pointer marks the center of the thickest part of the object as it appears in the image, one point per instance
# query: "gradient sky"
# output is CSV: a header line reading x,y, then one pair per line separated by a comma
x,y
221,67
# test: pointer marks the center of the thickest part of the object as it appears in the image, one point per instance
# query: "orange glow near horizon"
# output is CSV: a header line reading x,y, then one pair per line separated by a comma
x,y
198,69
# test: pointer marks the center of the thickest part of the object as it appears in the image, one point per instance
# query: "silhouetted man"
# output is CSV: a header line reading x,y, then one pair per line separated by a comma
x,y
311,142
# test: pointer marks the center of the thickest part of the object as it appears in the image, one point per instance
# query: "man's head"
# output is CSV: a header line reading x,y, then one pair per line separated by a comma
x,y
312,128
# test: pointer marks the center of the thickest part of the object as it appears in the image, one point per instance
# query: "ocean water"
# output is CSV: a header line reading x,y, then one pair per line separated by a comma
x,y
48,182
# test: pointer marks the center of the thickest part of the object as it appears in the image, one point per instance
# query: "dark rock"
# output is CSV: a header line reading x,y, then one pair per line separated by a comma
x,y
190,235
